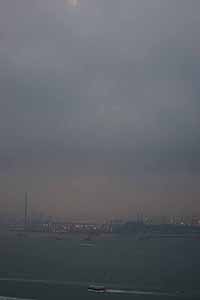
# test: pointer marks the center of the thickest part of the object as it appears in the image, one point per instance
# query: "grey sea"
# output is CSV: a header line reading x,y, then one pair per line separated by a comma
x,y
38,266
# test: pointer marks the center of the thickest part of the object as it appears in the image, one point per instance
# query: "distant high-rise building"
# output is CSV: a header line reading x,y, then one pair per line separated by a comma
x,y
26,210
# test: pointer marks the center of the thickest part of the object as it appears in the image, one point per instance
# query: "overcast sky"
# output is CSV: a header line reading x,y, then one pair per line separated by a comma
x,y
100,106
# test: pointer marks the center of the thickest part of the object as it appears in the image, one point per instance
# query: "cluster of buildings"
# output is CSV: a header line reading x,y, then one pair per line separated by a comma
x,y
63,227
146,225
140,223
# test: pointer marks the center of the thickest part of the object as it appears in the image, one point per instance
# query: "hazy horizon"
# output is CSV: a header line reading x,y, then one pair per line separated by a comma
x,y
99,107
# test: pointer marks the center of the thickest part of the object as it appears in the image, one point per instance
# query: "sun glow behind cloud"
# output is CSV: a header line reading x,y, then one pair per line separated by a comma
x,y
73,3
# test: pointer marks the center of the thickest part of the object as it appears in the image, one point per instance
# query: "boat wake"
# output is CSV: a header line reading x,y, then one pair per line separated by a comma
x,y
99,288
11,298
137,292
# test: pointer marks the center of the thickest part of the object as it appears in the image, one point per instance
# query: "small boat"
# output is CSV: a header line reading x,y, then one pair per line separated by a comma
x,y
97,289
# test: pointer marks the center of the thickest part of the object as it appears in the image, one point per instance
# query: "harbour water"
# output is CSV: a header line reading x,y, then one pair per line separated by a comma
x,y
42,267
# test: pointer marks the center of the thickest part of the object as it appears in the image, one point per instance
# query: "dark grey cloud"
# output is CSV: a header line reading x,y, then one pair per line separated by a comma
x,y
101,88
